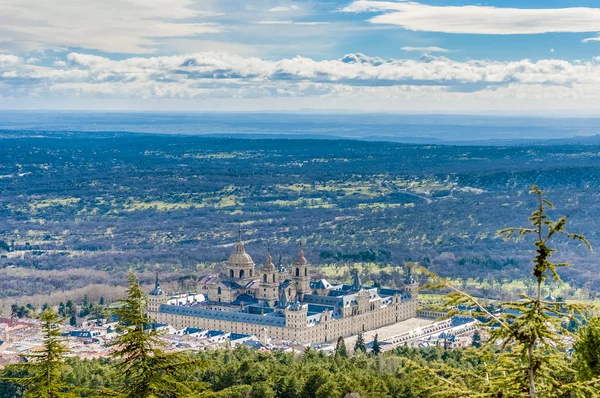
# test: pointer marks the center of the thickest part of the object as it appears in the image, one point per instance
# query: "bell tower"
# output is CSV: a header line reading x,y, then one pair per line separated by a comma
x,y
301,274
268,283
155,298
410,284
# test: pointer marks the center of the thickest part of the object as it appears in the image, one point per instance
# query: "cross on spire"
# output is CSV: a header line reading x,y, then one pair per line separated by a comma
x,y
239,246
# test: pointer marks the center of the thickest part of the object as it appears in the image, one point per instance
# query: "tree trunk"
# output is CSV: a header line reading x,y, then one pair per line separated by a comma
x,y
531,372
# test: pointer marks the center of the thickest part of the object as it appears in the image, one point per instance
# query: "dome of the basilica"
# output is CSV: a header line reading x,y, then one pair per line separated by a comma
x,y
239,258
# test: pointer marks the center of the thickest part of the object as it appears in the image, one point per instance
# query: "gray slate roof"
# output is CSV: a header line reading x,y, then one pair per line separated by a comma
x,y
222,315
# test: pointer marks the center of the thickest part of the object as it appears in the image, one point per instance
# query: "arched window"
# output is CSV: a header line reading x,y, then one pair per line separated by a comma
x,y
219,290
265,278
250,272
231,273
273,278
297,271
241,274
305,271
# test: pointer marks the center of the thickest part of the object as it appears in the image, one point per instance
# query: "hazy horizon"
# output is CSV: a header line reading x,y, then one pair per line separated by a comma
x,y
378,126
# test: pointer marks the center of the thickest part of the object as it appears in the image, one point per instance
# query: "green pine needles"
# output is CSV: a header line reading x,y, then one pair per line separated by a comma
x,y
42,375
340,349
360,344
532,326
147,371
526,354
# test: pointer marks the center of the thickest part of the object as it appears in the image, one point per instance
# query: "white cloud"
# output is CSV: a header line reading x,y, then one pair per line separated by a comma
x,y
7,60
60,63
312,23
290,22
130,26
284,8
275,22
430,49
479,19
355,79
591,39
33,60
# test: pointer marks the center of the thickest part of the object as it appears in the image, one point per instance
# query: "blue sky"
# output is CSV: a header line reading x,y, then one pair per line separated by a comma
x,y
393,56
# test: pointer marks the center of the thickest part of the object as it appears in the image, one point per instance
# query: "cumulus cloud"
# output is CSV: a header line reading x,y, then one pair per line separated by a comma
x,y
8,60
431,49
479,19
354,77
130,26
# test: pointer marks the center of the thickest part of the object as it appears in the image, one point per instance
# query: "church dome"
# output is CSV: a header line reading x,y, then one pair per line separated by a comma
x,y
239,258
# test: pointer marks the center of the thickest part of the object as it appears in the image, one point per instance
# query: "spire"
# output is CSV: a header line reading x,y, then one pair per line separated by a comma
x,y
356,283
300,260
269,266
157,289
409,280
239,246
282,299
280,266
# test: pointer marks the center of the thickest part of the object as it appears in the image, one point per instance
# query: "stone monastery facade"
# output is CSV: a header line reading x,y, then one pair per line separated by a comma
x,y
283,304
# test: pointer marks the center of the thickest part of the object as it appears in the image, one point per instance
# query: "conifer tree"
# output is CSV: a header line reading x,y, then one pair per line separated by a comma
x,y
476,339
360,343
42,377
534,324
532,360
376,347
340,348
587,350
147,371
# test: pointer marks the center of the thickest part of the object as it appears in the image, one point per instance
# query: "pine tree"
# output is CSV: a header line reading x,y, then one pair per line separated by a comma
x,y
43,373
146,369
586,352
476,339
531,360
340,348
360,343
536,324
73,320
376,347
